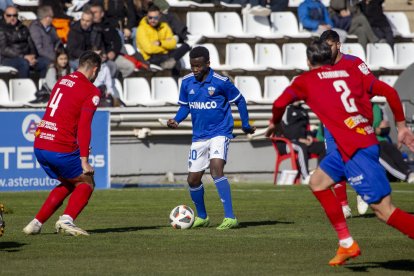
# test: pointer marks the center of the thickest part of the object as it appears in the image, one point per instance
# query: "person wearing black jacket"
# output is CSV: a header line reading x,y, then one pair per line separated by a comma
x,y
374,12
17,48
296,127
111,39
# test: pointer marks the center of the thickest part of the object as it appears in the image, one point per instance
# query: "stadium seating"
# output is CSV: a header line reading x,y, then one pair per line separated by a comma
x,y
27,15
380,55
119,90
399,23
286,24
268,55
229,24
250,88
404,54
5,97
22,90
202,23
240,56
186,4
354,49
137,92
164,89
274,86
294,55
7,69
214,58
32,3
389,79
259,26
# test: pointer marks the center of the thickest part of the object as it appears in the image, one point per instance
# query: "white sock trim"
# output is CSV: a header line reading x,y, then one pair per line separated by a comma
x,y
347,243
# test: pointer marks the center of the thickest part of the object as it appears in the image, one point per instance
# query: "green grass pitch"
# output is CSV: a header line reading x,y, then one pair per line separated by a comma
x,y
283,231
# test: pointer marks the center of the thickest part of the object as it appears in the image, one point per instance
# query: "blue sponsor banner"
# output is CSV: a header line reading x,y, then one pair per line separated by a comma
x,y
19,170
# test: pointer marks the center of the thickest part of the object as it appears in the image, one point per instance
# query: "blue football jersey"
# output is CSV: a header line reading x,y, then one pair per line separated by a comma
x,y
209,103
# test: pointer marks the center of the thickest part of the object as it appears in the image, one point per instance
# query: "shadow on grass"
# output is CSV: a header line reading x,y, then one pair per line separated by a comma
x,y
124,229
11,246
246,224
400,265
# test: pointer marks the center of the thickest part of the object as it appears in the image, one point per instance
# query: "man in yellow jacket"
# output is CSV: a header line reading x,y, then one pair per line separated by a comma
x,y
156,42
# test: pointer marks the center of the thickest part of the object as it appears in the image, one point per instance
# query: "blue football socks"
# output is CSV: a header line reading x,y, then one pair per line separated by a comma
x,y
197,195
223,189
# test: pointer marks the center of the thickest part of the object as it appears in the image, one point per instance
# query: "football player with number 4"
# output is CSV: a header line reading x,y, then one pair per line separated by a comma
x,y
62,145
207,96
340,97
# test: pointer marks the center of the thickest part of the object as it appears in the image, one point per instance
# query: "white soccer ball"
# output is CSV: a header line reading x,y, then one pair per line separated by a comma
x,y
182,217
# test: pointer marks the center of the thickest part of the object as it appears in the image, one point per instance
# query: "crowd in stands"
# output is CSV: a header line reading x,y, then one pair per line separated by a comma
x,y
159,37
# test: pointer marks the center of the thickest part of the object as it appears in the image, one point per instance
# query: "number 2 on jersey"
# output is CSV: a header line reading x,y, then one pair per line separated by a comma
x,y
341,87
54,103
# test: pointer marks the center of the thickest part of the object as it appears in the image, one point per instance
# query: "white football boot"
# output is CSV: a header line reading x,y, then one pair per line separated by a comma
x,y
33,228
362,206
347,211
66,226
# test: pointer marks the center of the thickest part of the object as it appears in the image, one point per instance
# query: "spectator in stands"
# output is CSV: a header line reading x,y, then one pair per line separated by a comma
x,y
347,15
61,20
105,83
44,34
390,157
59,68
17,48
82,37
112,41
377,19
296,127
119,13
156,42
314,17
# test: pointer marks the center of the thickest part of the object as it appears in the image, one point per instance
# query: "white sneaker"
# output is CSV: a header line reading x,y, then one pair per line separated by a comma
x,y
410,178
362,206
66,226
347,211
33,228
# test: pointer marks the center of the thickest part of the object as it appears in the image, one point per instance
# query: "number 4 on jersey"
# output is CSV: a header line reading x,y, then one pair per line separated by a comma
x,y
54,103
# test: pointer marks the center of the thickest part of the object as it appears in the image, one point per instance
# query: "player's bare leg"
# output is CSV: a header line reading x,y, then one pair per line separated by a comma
x,y
320,184
84,185
393,216
196,189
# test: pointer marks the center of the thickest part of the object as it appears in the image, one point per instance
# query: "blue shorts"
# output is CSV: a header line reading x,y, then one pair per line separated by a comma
x,y
58,164
363,172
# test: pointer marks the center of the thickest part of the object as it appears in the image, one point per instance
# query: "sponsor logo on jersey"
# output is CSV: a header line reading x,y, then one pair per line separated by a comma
x,y
192,92
216,152
211,90
202,105
363,68
29,126
353,121
95,100
356,180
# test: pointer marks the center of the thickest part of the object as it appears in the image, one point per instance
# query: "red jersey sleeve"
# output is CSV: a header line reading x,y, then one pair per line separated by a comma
x,y
380,88
85,120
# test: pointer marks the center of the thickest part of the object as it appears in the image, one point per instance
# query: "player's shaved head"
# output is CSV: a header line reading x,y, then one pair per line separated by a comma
x,y
319,53
200,51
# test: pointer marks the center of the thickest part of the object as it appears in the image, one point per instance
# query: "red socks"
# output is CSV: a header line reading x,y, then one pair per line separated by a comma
x,y
340,192
333,210
54,201
78,200
403,222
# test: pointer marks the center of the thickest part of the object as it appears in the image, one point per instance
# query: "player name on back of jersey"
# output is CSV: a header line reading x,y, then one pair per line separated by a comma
x,y
67,82
333,74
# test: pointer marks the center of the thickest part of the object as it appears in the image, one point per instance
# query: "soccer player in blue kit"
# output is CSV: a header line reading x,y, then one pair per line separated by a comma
x,y
207,96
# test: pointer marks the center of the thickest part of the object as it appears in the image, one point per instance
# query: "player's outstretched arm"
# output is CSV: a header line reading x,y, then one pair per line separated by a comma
x,y
405,136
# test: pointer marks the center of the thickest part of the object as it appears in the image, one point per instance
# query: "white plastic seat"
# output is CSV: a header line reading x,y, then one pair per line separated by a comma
x,y
164,89
201,23
404,54
274,87
186,4
27,15
229,24
294,3
22,91
250,88
130,49
240,55
41,82
259,26
294,55
119,90
399,24
26,2
380,55
214,57
5,97
354,49
269,55
286,24
7,69
137,92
